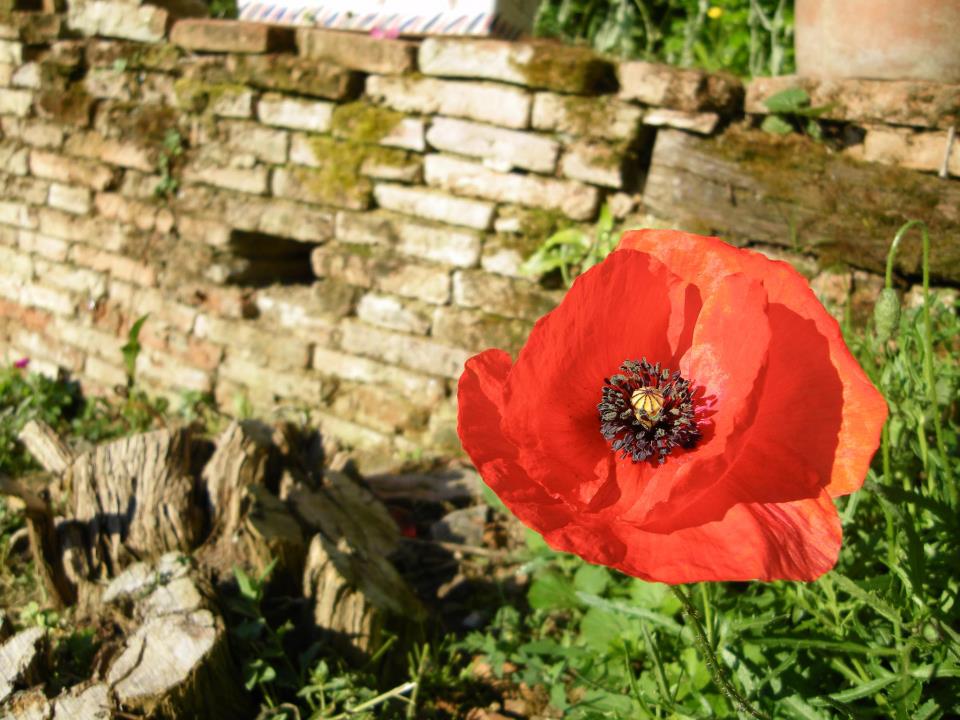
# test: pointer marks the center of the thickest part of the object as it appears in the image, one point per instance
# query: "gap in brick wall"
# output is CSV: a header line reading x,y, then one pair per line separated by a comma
x,y
258,259
641,154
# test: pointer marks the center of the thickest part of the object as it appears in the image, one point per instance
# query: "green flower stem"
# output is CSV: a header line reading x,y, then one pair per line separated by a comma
x,y
717,671
928,373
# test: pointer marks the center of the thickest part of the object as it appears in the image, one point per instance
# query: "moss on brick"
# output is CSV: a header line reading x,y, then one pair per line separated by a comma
x,y
364,123
567,69
72,105
198,96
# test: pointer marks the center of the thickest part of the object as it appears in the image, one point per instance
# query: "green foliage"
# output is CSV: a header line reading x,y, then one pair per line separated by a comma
x,y
226,9
572,250
170,150
745,37
790,111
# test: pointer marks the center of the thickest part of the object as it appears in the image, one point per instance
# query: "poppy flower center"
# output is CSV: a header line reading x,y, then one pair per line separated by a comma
x,y
646,411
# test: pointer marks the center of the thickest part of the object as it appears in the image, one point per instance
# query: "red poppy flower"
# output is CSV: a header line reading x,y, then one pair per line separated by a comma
x,y
687,413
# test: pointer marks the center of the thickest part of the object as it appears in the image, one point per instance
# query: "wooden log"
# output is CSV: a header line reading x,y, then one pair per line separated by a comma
x,y
20,657
748,185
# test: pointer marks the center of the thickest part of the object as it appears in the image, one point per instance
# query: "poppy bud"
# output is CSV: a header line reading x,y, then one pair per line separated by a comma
x,y
886,314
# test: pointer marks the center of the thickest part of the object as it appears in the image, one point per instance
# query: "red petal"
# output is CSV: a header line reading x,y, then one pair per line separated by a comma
x,y
706,260
624,308
480,404
798,540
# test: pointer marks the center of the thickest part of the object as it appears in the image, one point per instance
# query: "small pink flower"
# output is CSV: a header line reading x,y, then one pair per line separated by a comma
x,y
385,34
22,363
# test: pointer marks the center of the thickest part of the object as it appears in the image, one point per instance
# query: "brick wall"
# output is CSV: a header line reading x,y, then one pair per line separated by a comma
x,y
311,219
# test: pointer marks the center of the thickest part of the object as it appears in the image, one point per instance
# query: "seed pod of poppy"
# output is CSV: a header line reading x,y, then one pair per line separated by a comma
x,y
886,314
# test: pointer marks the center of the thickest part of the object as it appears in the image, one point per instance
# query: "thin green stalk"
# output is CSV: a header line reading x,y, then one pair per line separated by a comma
x,y
709,657
928,372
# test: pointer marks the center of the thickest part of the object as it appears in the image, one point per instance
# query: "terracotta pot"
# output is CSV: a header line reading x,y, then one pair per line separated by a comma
x,y
886,39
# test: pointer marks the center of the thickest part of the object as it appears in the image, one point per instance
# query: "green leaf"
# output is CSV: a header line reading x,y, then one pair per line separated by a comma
x,y
551,591
246,585
131,350
788,101
591,579
776,125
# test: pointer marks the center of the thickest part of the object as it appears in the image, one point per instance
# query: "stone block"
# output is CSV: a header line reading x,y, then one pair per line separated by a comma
x,y
164,58
109,18
30,190
254,180
358,52
326,186
52,248
299,309
13,157
89,339
594,162
393,313
18,214
123,153
294,113
477,330
171,373
254,342
430,283
38,347
703,123
918,103
27,76
119,266
412,352
600,117
70,171
34,132
437,243
365,123
499,295
15,102
11,52
265,144
917,150
51,299
379,408
290,74
282,218
678,88
113,206
14,263
69,198
500,148
551,66
485,102
272,385
463,177
81,281
422,390
355,266
6,74
433,205
231,36
402,167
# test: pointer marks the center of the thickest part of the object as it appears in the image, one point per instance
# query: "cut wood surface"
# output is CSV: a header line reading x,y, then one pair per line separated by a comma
x,y
792,191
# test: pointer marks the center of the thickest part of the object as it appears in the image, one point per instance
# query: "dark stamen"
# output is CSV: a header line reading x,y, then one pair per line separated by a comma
x,y
646,411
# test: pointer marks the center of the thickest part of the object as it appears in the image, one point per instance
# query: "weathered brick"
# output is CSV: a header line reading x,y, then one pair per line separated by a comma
x,y
41,134
358,52
321,187
231,36
29,190
486,102
574,199
125,153
146,23
118,266
703,123
477,330
51,248
31,27
203,231
678,88
15,102
392,313
89,339
288,73
305,388
594,162
253,180
161,307
44,297
254,343
27,76
430,283
438,243
70,171
281,217
59,224
77,280
339,262
11,52
107,375
110,84
6,74
365,123
422,390
38,346
263,143
132,55
504,149
350,160
904,147
19,214
282,111
534,64
114,206
600,117
29,318
918,103
170,372
433,205
72,199
15,263
501,295
301,310
379,408
13,157
409,351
